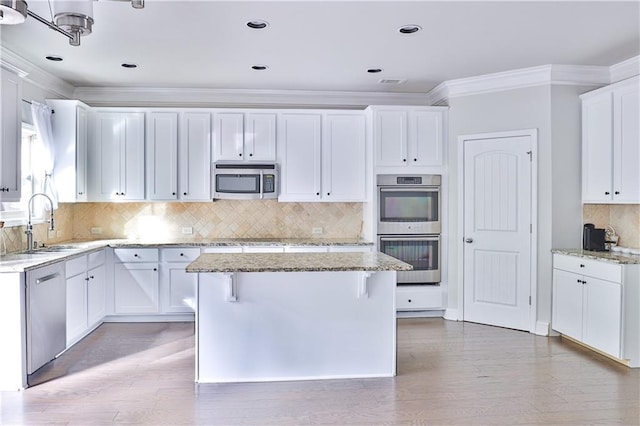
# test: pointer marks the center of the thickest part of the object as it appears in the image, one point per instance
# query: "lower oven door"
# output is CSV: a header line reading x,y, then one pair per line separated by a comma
x,y
420,251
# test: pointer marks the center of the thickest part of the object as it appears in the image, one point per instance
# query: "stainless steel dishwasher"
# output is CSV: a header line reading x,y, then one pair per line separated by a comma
x,y
46,315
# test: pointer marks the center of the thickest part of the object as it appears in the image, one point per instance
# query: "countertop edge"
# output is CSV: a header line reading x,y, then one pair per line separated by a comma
x,y
603,256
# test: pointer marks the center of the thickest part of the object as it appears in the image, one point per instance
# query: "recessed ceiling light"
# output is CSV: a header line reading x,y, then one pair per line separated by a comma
x,y
125,65
54,58
257,24
374,70
409,29
259,67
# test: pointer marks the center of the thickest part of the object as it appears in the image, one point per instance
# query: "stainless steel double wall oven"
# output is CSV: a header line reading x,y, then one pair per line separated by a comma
x,y
409,224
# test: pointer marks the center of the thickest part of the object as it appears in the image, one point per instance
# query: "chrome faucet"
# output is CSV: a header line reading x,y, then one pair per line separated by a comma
x,y
29,230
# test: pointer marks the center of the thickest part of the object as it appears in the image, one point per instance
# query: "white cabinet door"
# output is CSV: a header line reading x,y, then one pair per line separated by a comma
x,y
10,136
115,157
260,137
229,136
299,144
597,160
70,125
162,156
602,315
626,144
136,288
425,138
178,288
343,159
194,157
76,307
567,303
391,139
96,295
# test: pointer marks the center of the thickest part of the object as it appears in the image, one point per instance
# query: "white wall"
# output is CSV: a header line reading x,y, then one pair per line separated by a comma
x,y
555,112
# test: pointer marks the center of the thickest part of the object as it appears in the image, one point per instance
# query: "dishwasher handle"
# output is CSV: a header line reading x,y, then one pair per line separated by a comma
x,y
47,278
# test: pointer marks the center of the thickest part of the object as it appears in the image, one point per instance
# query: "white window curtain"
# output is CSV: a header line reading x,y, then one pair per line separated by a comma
x,y
44,158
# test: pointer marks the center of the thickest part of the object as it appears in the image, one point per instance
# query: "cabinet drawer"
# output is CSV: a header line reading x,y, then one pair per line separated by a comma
x,y
179,254
222,249
95,259
591,268
416,300
75,266
136,255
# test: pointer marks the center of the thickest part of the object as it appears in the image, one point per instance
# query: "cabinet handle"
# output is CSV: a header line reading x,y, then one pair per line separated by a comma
x,y
617,193
317,193
251,155
47,278
173,193
80,193
92,277
136,255
404,160
86,279
240,154
328,193
409,300
415,159
181,254
122,193
607,193
155,269
582,265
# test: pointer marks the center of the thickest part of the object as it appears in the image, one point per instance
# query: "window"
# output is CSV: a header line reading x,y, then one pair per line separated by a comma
x,y
15,214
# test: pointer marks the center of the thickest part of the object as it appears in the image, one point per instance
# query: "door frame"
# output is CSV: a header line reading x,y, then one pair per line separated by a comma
x,y
462,139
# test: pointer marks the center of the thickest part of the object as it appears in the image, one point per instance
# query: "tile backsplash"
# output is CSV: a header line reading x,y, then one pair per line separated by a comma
x,y
220,219
624,218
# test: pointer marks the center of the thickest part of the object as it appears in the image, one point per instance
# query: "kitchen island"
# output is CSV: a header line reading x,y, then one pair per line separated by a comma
x,y
295,316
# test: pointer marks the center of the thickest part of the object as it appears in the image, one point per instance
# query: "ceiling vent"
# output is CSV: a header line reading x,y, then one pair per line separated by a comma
x,y
391,81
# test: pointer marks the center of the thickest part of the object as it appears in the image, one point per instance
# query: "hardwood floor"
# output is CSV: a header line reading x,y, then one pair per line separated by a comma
x,y
448,373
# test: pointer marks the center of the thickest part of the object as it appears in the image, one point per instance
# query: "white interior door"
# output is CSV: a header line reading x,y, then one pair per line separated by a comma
x,y
497,231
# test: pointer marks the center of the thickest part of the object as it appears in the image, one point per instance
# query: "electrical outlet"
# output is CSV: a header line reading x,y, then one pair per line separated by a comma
x,y
96,230
316,231
58,234
187,230
51,234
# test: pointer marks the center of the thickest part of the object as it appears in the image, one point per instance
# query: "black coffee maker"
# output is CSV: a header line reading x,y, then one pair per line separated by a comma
x,y
593,238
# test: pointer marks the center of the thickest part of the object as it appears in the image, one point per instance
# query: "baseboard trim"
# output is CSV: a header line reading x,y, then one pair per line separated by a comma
x,y
542,328
150,318
419,314
452,314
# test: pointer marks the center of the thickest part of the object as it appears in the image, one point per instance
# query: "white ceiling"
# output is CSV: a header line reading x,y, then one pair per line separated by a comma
x,y
326,45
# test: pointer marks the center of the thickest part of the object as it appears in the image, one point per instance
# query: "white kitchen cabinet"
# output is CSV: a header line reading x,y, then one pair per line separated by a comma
x,y
595,302
322,156
10,136
86,297
135,281
71,125
116,157
611,143
177,287
244,136
343,157
194,157
408,136
161,145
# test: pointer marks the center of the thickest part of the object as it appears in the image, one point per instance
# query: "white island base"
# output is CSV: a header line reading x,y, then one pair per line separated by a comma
x,y
277,326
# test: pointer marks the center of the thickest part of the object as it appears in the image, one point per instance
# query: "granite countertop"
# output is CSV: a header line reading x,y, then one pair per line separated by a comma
x,y
605,256
296,262
24,261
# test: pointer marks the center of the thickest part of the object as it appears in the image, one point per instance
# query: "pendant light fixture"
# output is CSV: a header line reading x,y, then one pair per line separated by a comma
x,y
72,19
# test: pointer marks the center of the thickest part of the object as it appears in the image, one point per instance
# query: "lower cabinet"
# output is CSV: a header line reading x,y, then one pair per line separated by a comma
x,y
596,303
86,294
177,287
135,281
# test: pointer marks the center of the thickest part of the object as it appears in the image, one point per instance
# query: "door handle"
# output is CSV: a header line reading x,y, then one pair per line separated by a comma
x,y
468,240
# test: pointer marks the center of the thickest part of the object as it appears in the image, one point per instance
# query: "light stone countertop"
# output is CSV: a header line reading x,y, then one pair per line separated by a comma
x,y
296,262
24,261
604,256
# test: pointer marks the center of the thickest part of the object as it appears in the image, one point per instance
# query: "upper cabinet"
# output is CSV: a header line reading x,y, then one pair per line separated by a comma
x,y
71,124
162,156
244,136
611,143
408,136
116,157
322,156
11,136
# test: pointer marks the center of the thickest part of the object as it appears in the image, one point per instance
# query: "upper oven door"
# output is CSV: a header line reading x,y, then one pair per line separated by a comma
x,y
408,210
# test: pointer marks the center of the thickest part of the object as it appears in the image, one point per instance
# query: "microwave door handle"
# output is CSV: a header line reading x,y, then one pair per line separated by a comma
x,y
261,184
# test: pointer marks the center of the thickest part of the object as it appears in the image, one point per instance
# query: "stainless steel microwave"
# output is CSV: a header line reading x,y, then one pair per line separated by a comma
x,y
241,181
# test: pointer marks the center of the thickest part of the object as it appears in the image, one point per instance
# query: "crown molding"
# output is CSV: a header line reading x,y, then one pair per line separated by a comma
x,y
34,74
517,79
625,69
195,97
